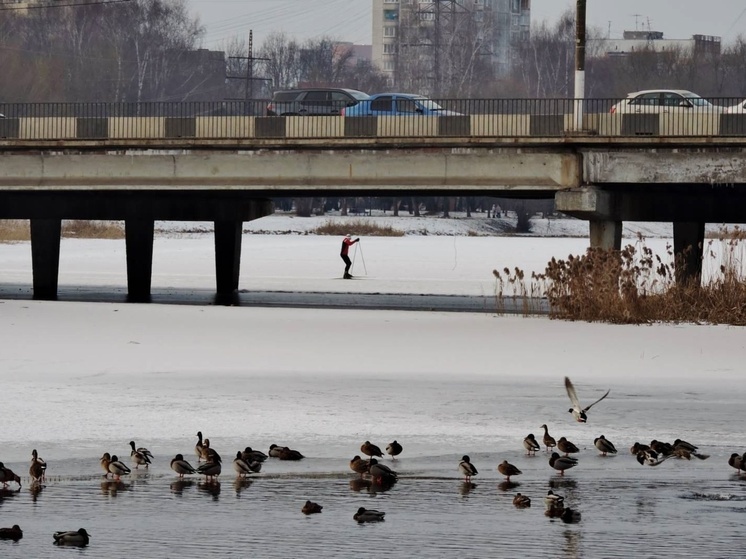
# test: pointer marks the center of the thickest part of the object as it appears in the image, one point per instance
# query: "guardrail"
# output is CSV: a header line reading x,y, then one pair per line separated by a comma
x,y
459,118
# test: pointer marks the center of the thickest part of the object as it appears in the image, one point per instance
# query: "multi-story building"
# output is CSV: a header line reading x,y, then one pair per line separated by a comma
x,y
439,38
637,41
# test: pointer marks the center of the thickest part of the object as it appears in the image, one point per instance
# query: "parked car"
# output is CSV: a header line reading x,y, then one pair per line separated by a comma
x,y
740,108
397,104
654,101
313,101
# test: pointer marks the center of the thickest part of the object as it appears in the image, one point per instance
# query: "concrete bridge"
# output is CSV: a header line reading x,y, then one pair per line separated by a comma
x,y
226,169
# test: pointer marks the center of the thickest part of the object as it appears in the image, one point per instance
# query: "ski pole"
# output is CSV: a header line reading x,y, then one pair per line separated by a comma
x,y
362,258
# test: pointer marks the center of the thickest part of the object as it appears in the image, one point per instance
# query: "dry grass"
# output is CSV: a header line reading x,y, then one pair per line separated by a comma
x,y
636,286
16,230
357,228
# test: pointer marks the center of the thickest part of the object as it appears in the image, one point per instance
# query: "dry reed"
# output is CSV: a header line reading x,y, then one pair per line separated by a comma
x,y
357,228
17,230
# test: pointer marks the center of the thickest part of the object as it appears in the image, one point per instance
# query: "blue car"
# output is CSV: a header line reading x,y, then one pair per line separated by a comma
x,y
397,104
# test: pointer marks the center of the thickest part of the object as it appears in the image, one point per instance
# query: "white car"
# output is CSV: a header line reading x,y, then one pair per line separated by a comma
x,y
737,109
655,101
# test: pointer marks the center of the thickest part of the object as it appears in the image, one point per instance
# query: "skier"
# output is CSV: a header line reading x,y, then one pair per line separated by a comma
x,y
347,242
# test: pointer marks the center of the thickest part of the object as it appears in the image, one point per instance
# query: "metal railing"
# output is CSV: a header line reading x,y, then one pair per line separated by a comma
x,y
459,118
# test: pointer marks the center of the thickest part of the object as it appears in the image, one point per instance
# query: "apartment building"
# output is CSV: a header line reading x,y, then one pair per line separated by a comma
x,y
434,32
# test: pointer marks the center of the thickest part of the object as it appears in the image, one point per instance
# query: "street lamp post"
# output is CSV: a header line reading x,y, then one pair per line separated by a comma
x,y
579,65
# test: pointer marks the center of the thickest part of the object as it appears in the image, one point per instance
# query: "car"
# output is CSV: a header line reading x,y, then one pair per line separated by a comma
x,y
397,104
313,101
655,101
740,108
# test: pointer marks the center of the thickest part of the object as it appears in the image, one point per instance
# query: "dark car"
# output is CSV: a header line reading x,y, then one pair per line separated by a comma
x,y
315,101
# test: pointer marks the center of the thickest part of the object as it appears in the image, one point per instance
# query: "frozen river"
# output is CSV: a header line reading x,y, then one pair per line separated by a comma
x,y
81,379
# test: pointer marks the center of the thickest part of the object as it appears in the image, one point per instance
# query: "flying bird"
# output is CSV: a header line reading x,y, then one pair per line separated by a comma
x,y
577,412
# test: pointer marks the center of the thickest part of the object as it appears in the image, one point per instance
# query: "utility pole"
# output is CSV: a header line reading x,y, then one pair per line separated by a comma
x,y
249,78
579,65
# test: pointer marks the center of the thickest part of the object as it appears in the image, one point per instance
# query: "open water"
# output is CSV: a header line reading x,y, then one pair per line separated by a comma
x,y
680,508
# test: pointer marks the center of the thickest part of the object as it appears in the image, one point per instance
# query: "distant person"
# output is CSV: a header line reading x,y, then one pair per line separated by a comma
x,y
347,242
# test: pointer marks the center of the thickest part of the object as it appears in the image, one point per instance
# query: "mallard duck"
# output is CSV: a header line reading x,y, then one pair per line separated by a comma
x,y
7,476
678,443
181,466
736,461
117,468
139,458
311,508
681,452
549,441
530,444
104,461
209,454
638,447
359,466
79,537
290,454
244,468
199,446
651,457
562,463
210,470
522,501
275,450
577,412
604,445
554,501
37,470
570,516
661,447
566,446
466,468
507,469
381,472
251,455
368,515
370,450
15,533
394,449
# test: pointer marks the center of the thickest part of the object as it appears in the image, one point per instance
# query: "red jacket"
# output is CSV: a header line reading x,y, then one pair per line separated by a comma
x,y
347,242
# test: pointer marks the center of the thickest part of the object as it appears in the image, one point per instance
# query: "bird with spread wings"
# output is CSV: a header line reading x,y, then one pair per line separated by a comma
x,y
578,412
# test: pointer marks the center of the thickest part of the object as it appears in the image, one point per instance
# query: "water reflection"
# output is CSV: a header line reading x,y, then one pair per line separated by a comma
x,y
466,487
559,482
240,484
112,488
35,489
360,484
381,487
571,547
177,487
210,487
507,485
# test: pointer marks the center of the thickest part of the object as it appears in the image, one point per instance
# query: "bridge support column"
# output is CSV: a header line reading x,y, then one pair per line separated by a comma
x,y
45,257
139,240
688,243
606,234
227,256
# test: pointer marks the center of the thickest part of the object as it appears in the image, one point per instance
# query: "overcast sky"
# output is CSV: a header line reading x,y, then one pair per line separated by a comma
x,y
350,20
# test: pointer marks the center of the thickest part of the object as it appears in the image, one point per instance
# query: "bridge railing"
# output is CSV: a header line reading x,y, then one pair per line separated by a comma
x,y
246,120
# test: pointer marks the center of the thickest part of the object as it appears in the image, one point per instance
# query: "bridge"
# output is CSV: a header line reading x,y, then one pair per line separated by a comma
x,y
58,163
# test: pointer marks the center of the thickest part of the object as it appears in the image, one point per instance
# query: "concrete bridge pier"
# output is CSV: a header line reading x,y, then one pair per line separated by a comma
x,y
688,247
138,235
227,257
45,257
606,234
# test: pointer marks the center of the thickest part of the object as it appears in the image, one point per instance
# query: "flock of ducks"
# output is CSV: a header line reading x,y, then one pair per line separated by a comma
x,y
249,461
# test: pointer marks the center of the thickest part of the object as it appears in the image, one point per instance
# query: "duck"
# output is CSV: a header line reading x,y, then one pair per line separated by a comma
x,y
562,463
507,469
394,449
530,444
570,516
368,515
210,470
576,410
554,501
661,447
549,441
14,533
381,472
678,443
37,470
311,508
370,450
467,468
638,447
140,458
251,455
522,501
566,446
210,454
104,461
651,457
275,450
604,445
244,468
181,466
199,446
736,461
7,475
117,468
358,465
681,452
78,537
